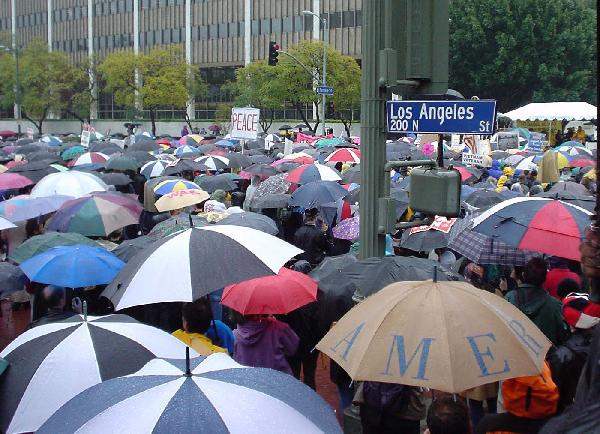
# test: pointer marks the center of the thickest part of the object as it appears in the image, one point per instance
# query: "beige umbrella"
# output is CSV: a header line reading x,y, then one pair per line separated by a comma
x,y
448,336
181,199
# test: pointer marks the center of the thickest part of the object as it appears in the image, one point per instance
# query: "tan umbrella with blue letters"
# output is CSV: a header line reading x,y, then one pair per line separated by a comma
x,y
448,336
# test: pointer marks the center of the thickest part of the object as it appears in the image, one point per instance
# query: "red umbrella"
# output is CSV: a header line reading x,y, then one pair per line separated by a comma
x,y
7,133
15,163
279,294
581,162
464,173
13,180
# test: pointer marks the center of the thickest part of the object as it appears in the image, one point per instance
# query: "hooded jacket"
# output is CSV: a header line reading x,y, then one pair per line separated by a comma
x,y
265,343
541,308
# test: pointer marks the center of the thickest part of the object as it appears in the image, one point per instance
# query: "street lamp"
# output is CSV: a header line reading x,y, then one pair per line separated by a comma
x,y
15,52
324,74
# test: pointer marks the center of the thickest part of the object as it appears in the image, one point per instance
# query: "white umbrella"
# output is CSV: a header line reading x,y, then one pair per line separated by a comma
x,y
213,162
6,224
73,183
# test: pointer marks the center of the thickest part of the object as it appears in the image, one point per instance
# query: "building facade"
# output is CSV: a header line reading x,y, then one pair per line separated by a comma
x,y
217,35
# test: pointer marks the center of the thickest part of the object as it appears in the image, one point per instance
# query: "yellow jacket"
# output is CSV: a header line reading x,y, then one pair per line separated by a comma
x,y
198,342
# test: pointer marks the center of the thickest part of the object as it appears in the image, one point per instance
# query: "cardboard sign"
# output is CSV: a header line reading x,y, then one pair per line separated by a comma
x,y
85,138
471,159
508,140
244,122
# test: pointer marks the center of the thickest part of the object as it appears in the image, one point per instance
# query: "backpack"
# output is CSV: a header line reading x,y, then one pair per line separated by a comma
x,y
532,397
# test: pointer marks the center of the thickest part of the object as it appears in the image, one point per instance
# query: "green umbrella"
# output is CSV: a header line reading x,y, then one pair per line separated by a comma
x,y
72,153
122,162
40,243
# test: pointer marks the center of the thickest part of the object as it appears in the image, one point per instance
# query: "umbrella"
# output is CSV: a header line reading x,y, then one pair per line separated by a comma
x,y
52,363
352,175
581,162
586,201
276,184
260,159
270,201
347,229
225,143
471,337
152,169
181,166
13,180
528,163
331,266
12,279
313,172
31,166
180,199
344,155
72,153
122,163
483,199
279,294
423,240
178,223
371,274
90,158
212,394
73,183
213,162
217,182
196,262
190,139
513,160
99,214
171,185
75,266
6,224
538,224
186,149
264,170
40,243
560,187
42,155
24,207
143,143
285,165
106,148
252,220
129,248
140,156
51,140
237,160
314,194
115,178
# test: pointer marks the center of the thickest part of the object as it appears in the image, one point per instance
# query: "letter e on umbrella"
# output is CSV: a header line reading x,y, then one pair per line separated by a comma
x,y
479,355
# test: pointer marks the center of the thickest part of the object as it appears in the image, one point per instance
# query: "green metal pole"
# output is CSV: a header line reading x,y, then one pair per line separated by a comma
x,y
18,91
372,130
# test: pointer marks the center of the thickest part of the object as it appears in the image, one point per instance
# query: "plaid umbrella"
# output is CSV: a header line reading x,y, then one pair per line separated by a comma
x,y
276,184
347,229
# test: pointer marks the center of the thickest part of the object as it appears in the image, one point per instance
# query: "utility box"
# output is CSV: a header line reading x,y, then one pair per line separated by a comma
x,y
435,191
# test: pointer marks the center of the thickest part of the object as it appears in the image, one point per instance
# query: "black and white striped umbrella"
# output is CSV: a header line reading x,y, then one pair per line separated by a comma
x,y
213,162
51,363
196,262
216,396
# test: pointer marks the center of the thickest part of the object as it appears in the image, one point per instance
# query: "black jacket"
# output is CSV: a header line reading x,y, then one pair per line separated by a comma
x,y
314,243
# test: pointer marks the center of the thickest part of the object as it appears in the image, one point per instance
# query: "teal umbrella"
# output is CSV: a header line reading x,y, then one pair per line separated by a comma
x,y
72,153
40,243
122,162
329,143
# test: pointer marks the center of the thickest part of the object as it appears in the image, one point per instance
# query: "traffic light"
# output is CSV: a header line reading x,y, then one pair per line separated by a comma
x,y
418,35
273,53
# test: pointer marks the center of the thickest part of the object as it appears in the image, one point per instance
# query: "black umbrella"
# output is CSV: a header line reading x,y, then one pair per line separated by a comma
x,y
144,144
122,162
217,182
332,266
255,144
261,170
261,159
317,193
139,156
12,279
252,220
42,155
31,166
37,175
31,147
270,201
586,202
184,166
401,199
484,199
569,187
107,148
285,127
237,160
129,248
424,241
23,141
114,178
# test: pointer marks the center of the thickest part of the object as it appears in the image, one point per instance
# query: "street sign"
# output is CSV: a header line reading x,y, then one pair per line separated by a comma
x,y
441,117
244,122
324,90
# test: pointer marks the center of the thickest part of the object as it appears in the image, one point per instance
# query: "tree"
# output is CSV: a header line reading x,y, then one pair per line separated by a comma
x,y
295,83
82,94
346,96
165,80
518,51
46,82
223,116
253,87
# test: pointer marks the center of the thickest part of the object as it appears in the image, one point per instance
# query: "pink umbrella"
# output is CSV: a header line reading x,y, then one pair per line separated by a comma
x,y
13,163
13,180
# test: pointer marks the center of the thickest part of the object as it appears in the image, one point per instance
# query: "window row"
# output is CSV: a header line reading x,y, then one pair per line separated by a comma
x,y
28,20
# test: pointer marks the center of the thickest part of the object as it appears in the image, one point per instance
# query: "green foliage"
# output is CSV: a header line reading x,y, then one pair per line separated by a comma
x,y
518,51
223,116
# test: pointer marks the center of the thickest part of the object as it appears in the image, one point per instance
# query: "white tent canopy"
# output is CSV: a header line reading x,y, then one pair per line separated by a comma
x,y
554,111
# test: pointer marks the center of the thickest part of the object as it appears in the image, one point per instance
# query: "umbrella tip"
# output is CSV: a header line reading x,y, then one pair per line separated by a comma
x,y
188,372
435,274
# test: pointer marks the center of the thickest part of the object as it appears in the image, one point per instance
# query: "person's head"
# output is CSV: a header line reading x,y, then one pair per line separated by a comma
x,y
55,296
447,415
567,286
302,266
535,272
33,227
338,166
196,316
533,174
311,214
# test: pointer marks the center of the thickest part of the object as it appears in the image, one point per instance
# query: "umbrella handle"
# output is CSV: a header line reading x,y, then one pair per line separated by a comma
x,y
188,372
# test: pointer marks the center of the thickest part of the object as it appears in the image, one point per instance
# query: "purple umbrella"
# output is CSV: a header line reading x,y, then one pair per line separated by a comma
x,y
347,229
25,207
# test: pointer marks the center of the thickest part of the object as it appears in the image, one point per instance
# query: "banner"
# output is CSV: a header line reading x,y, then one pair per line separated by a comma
x,y
305,138
244,122
470,159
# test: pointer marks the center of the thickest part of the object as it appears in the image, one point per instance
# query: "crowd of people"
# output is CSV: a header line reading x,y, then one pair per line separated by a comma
x,y
553,292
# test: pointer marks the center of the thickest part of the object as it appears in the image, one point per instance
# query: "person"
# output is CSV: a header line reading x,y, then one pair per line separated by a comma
x,y
559,271
448,415
580,135
312,239
55,299
263,341
544,310
250,191
565,287
184,131
567,360
558,138
196,320
387,408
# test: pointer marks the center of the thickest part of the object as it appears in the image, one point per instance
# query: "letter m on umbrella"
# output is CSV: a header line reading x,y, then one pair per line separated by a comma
x,y
420,356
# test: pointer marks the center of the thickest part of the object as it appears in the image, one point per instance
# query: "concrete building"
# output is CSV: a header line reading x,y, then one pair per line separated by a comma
x,y
217,35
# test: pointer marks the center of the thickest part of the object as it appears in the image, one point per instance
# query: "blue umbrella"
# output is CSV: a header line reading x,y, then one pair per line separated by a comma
x,y
73,266
317,193
21,208
225,143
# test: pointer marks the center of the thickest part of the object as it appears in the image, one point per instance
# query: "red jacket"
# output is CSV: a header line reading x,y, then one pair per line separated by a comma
x,y
557,275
